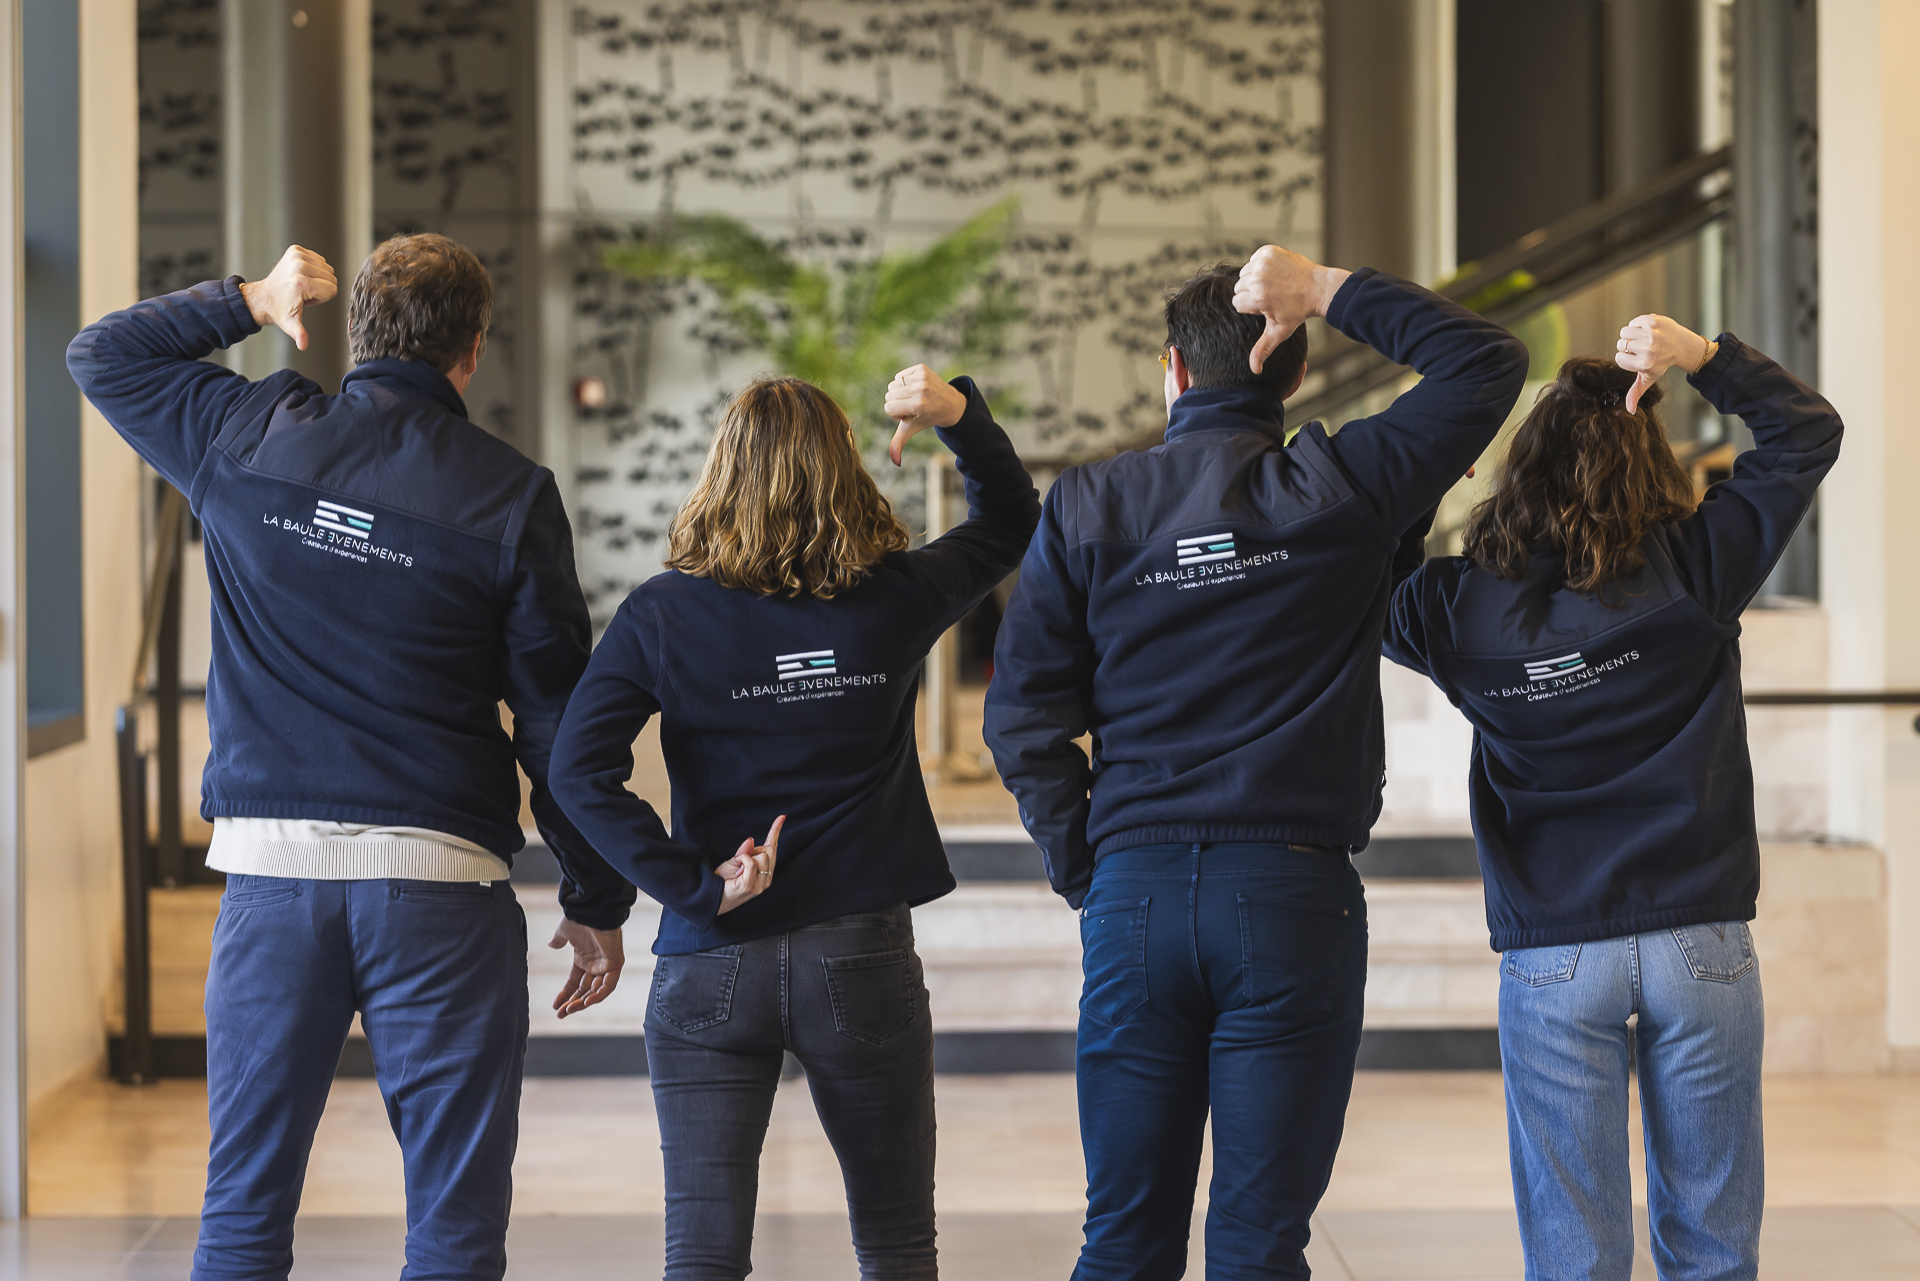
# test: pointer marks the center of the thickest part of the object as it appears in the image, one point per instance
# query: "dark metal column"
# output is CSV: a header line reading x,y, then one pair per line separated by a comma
x,y
1776,152
1369,77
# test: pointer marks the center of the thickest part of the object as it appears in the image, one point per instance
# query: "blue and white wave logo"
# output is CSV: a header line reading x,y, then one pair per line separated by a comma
x,y
815,662
1548,668
1194,551
343,520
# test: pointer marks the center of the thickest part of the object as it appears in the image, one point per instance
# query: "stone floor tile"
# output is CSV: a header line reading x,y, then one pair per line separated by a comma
x,y
1385,1245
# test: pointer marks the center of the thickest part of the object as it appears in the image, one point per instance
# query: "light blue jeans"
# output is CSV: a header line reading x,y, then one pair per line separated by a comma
x,y
1564,1051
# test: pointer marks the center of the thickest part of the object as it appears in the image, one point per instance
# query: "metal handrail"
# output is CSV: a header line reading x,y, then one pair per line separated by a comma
x,y
144,861
1836,698
1564,257
168,525
1537,247
1833,698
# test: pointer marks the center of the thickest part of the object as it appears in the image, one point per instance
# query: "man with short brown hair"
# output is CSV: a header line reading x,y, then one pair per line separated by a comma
x,y
384,575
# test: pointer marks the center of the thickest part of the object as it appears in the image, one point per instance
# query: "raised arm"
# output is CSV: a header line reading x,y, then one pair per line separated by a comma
x,y
968,561
1404,459
145,370
1037,705
548,636
1726,549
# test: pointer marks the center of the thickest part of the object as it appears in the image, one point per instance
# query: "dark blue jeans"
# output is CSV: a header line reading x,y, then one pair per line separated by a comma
x,y
1227,977
846,996
438,974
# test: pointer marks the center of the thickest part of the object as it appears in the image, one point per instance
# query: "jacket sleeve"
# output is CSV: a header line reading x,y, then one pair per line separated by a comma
x,y
145,370
593,759
547,636
1726,549
962,565
1404,459
1405,639
1037,705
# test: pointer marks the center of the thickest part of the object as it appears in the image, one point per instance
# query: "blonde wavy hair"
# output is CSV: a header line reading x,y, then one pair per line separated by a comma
x,y
784,504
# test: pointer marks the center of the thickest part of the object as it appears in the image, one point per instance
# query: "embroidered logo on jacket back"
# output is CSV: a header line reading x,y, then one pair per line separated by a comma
x,y
1193,551
1202,560
344,520
808,674
1548,668
343,531
813,662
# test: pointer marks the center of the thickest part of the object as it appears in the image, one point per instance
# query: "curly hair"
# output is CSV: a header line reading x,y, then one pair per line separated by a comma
x,y
784,504
1583,478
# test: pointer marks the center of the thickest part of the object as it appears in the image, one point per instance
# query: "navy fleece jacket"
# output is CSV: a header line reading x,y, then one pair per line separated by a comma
x,y
384,575
1210,609
1610,784
775,705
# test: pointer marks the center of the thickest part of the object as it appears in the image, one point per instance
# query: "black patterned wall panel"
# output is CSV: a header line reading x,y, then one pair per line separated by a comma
x,y
181,238
454,128
1144,140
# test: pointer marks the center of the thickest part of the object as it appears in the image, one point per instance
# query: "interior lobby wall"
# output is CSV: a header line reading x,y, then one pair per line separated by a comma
x,y
454,134
72,902
1869,176
1144,142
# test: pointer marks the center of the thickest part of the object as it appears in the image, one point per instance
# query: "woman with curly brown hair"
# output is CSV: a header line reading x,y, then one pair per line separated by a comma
x,y
1590,634
782,652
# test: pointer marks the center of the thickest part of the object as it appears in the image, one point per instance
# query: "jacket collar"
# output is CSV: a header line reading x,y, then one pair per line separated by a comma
x,y
1227,409
416,377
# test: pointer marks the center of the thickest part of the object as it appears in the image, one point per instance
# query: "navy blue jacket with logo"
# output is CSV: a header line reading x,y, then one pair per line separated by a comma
x,y
775,705
384,573
1210,610
1610,784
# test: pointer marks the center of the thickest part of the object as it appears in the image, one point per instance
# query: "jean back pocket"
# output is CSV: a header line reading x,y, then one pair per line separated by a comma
x,y
1721,952
694,990
1539,966
875,996
1297,953
1113,957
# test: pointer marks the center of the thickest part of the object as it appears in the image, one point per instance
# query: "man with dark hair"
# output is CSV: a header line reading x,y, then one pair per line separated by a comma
x,y
1210,340
1210,611
384,575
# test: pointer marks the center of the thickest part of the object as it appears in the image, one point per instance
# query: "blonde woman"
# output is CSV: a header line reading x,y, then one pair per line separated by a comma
x,y
782,653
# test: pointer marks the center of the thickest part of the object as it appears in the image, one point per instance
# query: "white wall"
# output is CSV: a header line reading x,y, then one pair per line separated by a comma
x,y
72,815
1869,271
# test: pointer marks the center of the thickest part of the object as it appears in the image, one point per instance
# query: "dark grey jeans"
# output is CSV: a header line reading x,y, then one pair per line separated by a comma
x,y
847,997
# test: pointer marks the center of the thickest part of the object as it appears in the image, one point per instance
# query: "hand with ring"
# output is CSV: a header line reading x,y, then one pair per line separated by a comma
x,y
749,872
1650,345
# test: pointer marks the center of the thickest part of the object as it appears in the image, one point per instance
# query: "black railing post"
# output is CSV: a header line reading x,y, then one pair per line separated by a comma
x,y
136,1050
170,863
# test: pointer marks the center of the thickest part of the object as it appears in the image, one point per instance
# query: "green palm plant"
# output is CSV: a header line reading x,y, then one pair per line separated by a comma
x,y
846,328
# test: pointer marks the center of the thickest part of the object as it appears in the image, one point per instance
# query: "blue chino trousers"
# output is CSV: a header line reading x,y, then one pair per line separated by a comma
x,y
1694,995
1226,978
438,974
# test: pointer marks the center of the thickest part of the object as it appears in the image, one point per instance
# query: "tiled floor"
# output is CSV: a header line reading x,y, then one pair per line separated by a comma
x,y
1420,1191
1868,1243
